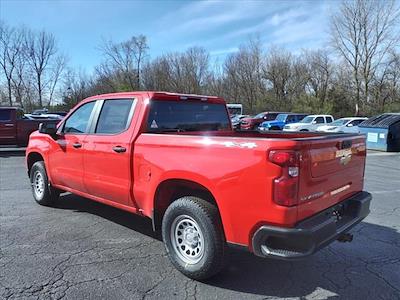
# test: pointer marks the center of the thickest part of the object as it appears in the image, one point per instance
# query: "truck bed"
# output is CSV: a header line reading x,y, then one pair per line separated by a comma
x,y
331,168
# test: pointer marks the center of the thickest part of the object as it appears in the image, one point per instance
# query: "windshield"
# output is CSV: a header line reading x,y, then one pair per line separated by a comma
x,y
187,116
281,118
339,122
307,120
259,116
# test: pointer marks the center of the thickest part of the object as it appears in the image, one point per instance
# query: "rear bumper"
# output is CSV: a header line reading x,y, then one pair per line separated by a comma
x,y
313,233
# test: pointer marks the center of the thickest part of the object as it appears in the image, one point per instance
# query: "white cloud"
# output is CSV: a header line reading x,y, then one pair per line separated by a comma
x,y
222,26
224,51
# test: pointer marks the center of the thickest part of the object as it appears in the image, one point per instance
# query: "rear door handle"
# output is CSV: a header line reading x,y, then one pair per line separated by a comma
x,y
9,125
77,145
119,149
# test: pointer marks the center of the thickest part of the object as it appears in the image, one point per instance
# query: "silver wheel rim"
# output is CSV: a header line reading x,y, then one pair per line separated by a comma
x,y
187,239
38,184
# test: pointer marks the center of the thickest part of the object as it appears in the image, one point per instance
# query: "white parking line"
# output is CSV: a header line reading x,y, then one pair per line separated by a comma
x,y
384,192
383,154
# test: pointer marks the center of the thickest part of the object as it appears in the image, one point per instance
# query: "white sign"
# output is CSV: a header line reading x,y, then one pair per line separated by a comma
x,y
372,137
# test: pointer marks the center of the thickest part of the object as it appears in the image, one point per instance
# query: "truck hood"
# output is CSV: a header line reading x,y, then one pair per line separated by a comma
x,y
247,120
328,128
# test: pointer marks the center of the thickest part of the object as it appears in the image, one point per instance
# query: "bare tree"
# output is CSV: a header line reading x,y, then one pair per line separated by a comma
x,y
10,53
362,33
278,72
319,69
54,76
40,51
243,75
76,87
125,60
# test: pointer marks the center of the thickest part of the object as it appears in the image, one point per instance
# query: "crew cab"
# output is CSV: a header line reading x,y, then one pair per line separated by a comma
x,y
309,123
175,159
253,122
280,121
15,127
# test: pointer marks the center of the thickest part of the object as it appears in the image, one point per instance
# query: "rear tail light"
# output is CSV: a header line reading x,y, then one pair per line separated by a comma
x,y
286,186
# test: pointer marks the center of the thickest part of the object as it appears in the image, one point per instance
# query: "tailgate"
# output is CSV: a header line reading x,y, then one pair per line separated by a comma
x,y
331,170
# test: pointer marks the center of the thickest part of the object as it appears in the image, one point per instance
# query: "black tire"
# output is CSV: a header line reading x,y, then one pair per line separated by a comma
x,y
211,240
304,130
42,191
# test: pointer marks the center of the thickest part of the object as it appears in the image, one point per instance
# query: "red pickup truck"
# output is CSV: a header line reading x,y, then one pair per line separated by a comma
x,y
175,159
15,127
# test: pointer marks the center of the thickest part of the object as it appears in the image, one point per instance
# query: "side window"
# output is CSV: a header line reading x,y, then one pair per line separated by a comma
x,y
329,119
5,115
355,122
79,120
114,116
319,120
270,117
291,119
301,117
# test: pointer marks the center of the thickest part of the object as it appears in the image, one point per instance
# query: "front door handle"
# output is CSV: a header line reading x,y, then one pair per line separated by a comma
x,y
119,149
9,125
77,145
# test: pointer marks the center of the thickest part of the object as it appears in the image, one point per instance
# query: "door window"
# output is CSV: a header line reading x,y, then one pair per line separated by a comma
x,y
355,122
5,115
291,119
319,120
79,120
329,119
115,116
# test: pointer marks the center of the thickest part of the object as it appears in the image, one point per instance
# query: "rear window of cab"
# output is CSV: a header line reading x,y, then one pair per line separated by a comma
x,y
179,116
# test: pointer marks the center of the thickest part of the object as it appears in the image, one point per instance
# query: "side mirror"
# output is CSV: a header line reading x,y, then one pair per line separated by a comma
x,y
48,128
350,125
314,122
265,117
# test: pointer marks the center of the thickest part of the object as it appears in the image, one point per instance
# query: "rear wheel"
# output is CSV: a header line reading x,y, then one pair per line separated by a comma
x,y
193,237
42,191
304,130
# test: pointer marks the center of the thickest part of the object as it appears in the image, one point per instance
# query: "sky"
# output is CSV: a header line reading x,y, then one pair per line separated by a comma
x,y
218,26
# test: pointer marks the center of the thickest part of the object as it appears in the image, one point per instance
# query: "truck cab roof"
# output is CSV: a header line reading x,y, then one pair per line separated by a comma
x,y
159,95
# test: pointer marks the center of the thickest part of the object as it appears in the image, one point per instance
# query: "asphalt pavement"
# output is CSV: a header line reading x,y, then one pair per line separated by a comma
x,y
85,250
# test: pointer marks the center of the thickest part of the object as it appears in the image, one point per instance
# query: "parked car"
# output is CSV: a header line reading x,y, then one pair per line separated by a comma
x,y
252,123
15,127
309,123
343,125
176,160
235,120
44,116
280,121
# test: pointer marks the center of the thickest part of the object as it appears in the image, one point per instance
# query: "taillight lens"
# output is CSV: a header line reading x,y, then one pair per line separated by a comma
x,y
286,186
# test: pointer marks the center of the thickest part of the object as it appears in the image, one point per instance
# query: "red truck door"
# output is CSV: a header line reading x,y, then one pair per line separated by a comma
x,y
108,151
8,128
66,162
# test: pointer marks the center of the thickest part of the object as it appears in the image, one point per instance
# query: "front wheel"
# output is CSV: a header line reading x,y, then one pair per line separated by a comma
x,y
43,192
194,238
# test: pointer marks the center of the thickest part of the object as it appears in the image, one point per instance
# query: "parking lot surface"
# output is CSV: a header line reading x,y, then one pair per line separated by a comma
x,y
85,250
